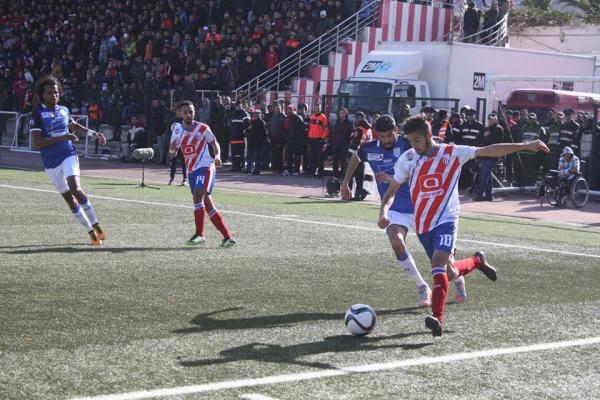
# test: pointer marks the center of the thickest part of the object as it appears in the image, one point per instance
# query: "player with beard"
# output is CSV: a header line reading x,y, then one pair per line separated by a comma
x,y
194,141
382,154
432,171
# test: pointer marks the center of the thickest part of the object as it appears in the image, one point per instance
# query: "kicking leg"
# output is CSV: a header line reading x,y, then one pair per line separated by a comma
x,y
476,261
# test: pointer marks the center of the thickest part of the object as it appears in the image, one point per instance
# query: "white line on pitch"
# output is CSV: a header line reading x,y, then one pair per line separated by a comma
x,y
256,396
285,218
307,376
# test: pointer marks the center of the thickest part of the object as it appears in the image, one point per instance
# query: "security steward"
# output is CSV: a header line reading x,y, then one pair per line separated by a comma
x,y
238,122
318,132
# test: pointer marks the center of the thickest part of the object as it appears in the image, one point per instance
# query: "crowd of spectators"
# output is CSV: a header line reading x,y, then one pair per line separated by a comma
x,y
120,55
289,141
577,130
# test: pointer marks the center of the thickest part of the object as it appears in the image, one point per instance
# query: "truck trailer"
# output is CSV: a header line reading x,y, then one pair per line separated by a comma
x,y
455,71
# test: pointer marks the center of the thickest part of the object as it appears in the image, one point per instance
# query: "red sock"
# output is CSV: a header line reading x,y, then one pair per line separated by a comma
x,y
439,292
217,220
464,267
199,214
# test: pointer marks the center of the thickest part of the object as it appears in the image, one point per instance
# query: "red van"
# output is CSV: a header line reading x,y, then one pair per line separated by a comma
x,y
540,101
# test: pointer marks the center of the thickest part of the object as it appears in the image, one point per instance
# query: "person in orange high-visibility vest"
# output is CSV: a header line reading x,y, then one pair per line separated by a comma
x,y
318,132
441,128
94,115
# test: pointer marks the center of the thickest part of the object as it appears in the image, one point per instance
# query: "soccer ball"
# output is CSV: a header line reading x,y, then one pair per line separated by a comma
x,y
360,319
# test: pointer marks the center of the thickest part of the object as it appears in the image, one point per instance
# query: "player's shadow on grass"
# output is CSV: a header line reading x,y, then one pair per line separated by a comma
x,y
89,249
275,353
206,322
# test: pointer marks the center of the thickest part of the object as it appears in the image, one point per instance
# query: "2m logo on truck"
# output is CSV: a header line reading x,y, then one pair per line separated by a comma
x,y
374,66
479,81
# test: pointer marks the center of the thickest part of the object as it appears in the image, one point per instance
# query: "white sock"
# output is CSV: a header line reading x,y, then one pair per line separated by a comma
x,y
89,211
408,264
78,213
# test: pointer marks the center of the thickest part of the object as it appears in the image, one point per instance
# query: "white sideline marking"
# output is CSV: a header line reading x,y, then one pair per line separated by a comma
x,y
275,379
287,218
256,396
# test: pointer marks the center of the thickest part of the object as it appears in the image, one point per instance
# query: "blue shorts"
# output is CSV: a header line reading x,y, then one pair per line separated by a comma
x,y
441,238
202,179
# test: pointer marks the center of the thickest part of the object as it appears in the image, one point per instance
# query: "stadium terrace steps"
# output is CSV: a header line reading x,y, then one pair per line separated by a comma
x,y
400,22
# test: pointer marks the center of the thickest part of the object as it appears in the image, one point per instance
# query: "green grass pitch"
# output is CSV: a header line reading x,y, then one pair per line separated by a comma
x,y
145,312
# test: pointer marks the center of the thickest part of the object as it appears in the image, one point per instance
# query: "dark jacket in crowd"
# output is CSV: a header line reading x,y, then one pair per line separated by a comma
x,y
341,133
491,17
256,134
470,132
295,128
471,22
238,121
157,121
568,134
276,126
491,135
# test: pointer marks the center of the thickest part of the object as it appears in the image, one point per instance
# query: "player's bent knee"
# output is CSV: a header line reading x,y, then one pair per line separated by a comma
x,y
397,244
451,273
68,196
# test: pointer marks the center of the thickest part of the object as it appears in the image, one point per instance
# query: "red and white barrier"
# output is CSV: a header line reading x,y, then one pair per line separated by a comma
x,y
400,22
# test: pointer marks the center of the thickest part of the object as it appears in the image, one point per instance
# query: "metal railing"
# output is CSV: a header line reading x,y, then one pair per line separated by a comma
x,y
307,55
175,95
492,36
386,104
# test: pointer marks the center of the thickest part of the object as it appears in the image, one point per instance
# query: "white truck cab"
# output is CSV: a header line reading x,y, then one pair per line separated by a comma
x,y
384,81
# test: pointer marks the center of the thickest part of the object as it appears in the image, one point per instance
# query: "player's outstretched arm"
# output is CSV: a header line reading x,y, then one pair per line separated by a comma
x,y
502,149
350,168
75,126
386,203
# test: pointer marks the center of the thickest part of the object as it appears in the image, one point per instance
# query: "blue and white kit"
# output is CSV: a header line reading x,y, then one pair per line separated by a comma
x,y
60,159
382,160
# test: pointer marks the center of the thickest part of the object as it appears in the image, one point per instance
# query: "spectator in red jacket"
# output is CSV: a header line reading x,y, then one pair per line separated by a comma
x,y
271,58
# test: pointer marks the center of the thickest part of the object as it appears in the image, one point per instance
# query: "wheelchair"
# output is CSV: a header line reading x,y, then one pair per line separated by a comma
x,y
553,190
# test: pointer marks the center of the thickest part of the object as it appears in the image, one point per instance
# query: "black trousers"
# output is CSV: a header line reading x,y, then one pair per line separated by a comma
x,y
303,150
292,156
178,157
237,156
277,152
222,137
339,160
315,157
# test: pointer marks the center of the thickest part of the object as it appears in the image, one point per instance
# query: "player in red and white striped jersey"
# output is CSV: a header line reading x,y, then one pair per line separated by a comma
x,y
432,171
193,141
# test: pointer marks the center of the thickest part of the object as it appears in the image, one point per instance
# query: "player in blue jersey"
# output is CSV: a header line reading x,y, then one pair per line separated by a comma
x,y
52,131
381,154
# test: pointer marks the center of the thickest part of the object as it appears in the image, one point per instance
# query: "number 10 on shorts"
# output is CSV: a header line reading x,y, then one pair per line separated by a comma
x,y
446,240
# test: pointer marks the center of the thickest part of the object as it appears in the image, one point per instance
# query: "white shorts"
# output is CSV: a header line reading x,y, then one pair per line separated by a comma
x,y
405,220
58,175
